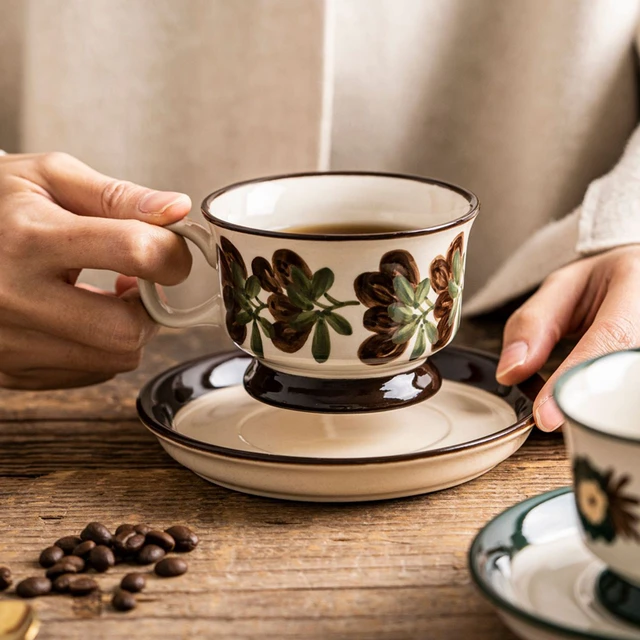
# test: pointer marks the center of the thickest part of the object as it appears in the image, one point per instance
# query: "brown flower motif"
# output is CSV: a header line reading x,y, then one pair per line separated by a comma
x,y
299,302
399,308
446,281
233,274
277,278
375,289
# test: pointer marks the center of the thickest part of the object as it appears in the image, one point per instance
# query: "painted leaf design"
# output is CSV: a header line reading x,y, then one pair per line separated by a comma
x,y
303,319
420,346
454,312
339,323
454,289
237,274
457,266
321,283
299,299
300,280
321,344
242,301
400,313
403,290
422,291
252,286
431,331
256,340
405,332
243,317
267,327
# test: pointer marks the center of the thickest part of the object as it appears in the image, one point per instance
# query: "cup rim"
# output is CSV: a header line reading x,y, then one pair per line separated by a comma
x,y
567,375
470,197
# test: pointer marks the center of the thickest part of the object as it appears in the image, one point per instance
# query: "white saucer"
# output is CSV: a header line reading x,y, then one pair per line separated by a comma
x,y
531,563
203,418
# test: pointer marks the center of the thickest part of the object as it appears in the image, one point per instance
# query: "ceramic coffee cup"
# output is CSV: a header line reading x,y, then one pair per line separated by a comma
x,y
601,404
338,321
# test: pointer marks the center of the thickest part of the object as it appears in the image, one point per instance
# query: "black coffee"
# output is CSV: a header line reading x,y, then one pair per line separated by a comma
x,y
347,228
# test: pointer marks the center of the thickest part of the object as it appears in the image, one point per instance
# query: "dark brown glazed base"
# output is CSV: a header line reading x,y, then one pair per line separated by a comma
x,y
619,597
341,396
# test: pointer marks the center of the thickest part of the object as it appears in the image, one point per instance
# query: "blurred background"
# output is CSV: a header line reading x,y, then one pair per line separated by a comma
x,y
524,102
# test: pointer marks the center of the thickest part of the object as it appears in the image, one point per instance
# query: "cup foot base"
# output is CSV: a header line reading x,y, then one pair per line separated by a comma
x,y
619,597
341,395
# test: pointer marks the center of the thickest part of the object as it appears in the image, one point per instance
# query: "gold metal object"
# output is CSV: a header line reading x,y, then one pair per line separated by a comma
x,y
18,621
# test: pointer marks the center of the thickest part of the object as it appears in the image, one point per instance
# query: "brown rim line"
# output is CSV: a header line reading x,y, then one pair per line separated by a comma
x,y
471,198
506,434
528,389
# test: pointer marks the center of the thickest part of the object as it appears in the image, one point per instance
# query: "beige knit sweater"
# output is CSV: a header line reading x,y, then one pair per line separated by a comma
x,y
528,103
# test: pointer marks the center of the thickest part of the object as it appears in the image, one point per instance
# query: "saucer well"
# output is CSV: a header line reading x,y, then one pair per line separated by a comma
x,y
204,418
531,564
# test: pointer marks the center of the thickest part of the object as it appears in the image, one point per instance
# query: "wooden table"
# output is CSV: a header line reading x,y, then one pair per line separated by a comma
x,y
264,568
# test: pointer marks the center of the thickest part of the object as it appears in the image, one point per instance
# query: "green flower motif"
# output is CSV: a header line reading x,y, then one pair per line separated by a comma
x,y
604,510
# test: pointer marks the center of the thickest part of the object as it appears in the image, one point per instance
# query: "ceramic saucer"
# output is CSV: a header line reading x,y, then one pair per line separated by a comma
x,y
204,418
531,563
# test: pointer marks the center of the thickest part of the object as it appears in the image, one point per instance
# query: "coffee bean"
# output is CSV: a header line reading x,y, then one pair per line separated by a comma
x,y
32,587
82,586
5,578
61,583
170,567
101,558
149,554
61,567
50,555
142,528
123,600
129,542
97,532
133,582
185,539
77,562
68,543
162,539
124,528
84,548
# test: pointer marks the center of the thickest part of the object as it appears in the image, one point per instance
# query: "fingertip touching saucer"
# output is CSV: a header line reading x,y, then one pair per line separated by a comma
x,y
204,418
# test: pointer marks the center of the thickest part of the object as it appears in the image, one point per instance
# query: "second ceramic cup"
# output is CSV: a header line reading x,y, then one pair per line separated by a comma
x,y
602,408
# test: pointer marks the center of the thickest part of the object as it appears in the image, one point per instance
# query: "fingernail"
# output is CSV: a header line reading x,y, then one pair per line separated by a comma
x,y
158,202
512,356
548,416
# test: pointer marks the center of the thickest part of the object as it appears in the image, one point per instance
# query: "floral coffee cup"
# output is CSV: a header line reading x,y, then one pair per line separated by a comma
x,y
333,314
601,404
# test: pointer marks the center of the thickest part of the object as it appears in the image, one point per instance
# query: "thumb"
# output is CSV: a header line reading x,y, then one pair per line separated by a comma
x,y
85,191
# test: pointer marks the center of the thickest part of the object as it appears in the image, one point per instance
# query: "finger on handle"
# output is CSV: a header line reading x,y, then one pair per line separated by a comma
x,y
85,191
130,247
113,324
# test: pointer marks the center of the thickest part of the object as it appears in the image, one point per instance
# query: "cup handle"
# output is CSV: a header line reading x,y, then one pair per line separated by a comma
x,y
206,313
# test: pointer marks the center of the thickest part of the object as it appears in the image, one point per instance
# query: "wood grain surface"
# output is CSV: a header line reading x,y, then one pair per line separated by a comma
x,y
264,568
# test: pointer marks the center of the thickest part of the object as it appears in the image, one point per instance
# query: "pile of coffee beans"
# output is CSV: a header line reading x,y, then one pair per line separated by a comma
x,y
97,549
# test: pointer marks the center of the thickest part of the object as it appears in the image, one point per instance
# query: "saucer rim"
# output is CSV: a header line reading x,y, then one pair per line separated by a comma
x,y
469,196
529,388
507,607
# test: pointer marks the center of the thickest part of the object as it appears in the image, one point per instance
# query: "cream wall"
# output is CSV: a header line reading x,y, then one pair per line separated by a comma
x,y
184,96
